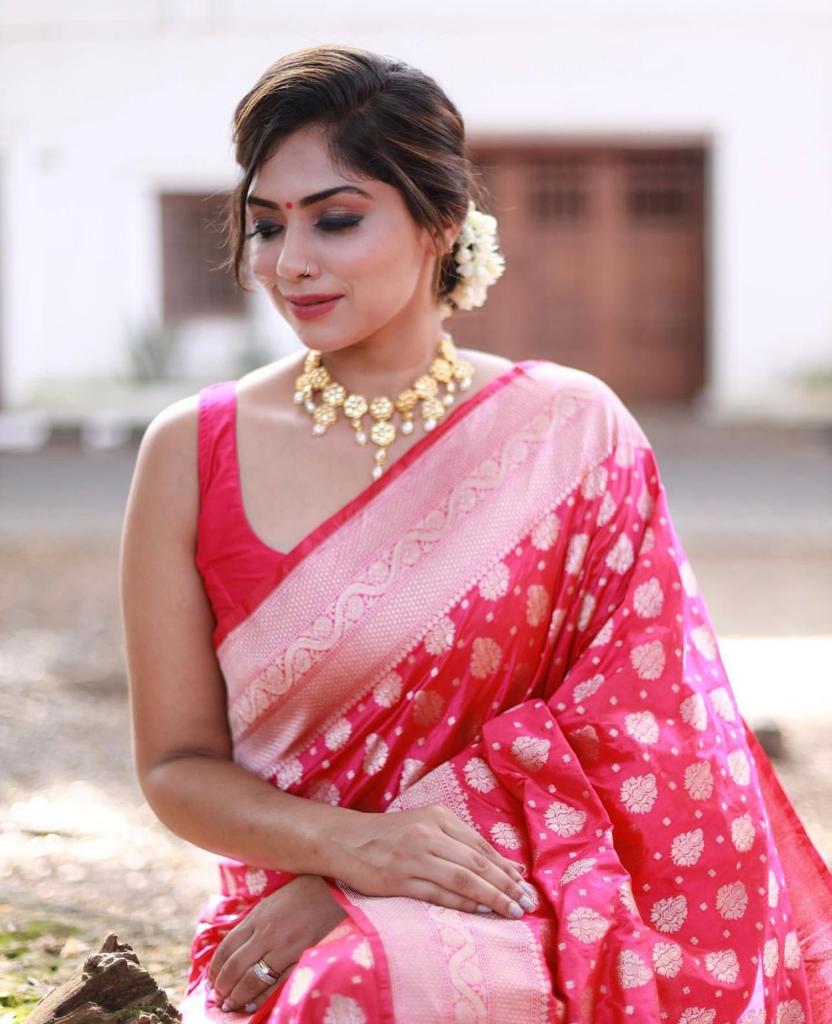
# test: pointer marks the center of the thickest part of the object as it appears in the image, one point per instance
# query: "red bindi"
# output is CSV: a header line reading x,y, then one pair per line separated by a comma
x,y
288,206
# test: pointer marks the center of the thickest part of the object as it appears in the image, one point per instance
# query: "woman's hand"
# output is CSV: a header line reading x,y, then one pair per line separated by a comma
x,y
278,929
428,853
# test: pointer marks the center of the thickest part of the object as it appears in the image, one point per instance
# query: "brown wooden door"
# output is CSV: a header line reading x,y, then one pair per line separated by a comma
x,y
605,269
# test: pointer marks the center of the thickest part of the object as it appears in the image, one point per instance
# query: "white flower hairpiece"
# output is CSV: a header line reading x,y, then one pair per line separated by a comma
x,y
478,262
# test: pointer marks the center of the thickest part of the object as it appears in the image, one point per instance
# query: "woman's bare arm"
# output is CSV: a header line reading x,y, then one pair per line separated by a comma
x,y
181,740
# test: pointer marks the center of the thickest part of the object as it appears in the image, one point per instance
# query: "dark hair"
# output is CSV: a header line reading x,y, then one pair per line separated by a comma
x,y
380,117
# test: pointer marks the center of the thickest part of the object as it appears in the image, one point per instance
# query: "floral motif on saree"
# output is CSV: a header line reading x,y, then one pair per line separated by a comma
x,y
509,626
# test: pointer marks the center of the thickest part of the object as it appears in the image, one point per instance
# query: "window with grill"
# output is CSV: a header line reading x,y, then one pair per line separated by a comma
x,y
192,250
558,190
663,188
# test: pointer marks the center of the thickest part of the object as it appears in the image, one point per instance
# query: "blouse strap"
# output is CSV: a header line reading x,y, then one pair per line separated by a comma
x,y
217,411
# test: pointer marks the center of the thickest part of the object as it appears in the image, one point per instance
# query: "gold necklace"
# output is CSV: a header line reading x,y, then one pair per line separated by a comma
x,y
447,369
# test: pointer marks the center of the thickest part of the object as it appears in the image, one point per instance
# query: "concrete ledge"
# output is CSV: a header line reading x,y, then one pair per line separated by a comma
x,y
32,431
24,431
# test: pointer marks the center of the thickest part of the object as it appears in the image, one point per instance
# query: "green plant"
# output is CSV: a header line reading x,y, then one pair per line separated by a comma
x,y
151,347
255,352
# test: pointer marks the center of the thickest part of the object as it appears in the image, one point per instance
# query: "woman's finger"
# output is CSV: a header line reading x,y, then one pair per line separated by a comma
x,y
484,863
252,989
235,966
254,1005
473,877
232,941
425,889
470,837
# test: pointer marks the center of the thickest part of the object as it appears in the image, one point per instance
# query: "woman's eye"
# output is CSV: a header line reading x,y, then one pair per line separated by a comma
x,y
263,230
332,224
336,225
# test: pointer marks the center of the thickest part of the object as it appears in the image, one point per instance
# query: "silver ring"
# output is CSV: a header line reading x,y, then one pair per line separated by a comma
x,y
264,972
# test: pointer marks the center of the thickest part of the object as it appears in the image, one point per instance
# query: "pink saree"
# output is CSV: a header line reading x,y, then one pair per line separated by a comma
x,y
506,623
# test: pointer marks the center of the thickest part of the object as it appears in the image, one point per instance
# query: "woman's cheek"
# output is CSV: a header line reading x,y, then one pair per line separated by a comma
x,y
261,268
364,259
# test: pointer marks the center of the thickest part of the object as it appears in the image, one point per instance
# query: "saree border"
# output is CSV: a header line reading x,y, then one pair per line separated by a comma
x,y
479,966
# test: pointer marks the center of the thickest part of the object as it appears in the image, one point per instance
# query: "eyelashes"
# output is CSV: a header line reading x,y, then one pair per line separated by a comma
x,y
266,230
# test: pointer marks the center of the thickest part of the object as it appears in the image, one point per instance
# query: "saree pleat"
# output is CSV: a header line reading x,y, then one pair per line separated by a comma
x,y
511,629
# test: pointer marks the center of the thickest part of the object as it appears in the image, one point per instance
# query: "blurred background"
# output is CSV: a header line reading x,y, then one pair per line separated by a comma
x,y
662,177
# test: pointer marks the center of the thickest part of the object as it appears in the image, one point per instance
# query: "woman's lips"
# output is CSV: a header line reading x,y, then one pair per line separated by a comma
x,y
310,310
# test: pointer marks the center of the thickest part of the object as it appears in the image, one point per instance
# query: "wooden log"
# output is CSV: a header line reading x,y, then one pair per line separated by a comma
x,y
110,987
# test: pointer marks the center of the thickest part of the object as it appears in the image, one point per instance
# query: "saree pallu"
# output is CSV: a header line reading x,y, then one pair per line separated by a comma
x,y
507,624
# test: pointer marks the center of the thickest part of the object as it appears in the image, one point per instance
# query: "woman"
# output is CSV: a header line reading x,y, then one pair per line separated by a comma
x,y
454,717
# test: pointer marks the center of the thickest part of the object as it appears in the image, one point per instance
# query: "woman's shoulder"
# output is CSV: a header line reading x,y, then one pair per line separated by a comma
x,y
177,424
173,446
567,383
487,362
551,375
165,476
169,429
172,433
562,378
576,392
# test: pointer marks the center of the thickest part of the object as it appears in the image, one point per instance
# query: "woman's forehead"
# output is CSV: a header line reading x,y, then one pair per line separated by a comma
x,y
301,164
296,156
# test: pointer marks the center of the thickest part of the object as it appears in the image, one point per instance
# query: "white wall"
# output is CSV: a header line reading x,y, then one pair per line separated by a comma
x,y
103,104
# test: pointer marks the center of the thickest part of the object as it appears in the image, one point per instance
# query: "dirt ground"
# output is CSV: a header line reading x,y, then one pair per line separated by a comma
x,y
80,852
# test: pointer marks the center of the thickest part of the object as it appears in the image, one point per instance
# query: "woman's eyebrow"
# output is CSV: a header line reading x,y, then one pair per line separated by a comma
x,y
316,197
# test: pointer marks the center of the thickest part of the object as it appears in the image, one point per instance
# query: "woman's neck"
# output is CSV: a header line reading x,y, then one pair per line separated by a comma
x,y
384,365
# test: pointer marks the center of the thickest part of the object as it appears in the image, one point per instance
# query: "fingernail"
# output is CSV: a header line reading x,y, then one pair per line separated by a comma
x,y
226,1006
482,909
526,902
250,1007
527,889
515,909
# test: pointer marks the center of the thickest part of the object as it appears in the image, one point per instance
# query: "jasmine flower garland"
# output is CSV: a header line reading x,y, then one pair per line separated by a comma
x,y
478,262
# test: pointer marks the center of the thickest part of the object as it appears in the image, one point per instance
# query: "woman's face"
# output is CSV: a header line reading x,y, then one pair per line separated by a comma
x,y
361,244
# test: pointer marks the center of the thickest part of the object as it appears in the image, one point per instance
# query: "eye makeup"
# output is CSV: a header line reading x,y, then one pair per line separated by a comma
x,y
266,229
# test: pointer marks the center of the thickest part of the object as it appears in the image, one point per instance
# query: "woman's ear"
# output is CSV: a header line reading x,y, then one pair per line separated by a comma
x,y
450,234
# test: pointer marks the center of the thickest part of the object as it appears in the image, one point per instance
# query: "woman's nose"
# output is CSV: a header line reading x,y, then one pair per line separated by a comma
x,y
293,256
